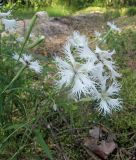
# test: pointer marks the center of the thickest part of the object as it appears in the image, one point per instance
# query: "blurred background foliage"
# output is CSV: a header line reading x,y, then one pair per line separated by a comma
x,y
55,8
74,3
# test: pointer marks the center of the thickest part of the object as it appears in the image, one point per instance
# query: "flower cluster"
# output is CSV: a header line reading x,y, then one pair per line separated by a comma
x,y
27,60
89,73
10,26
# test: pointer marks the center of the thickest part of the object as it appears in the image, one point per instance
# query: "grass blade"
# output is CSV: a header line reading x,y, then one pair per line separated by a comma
x,y
43,144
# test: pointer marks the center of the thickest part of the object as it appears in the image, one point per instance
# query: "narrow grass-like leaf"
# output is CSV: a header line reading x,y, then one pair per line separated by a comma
x,y
14,126
14,79
18,151
21,126
37,42
29,31
43,144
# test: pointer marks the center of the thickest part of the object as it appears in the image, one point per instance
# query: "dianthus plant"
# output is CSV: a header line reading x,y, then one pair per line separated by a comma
x,y
86,72
21,43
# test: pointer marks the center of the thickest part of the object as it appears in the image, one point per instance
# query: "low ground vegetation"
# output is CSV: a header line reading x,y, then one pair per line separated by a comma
x,y
38,122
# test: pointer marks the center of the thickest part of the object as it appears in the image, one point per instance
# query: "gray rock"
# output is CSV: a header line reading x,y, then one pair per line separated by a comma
x,y
57,30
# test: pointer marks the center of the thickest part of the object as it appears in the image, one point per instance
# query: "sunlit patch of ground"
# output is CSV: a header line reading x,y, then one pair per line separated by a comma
x,y
126,22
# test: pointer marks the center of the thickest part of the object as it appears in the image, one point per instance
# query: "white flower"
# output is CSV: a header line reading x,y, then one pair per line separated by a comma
x,y
87,54
87,73
106,97
98,71
103,54
3,15
113,26
109,104
75,75
27,60
106,58
67,51
36,66
114,89
78,40
112,68
10,25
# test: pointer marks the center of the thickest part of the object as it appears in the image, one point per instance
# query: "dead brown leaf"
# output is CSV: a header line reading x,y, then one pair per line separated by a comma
x,y
95,132
100,143
105,149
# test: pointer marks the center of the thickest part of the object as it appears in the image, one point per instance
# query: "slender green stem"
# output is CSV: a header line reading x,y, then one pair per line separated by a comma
x,y
106,35
34,44
18,151
28,33
1,144
15,78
